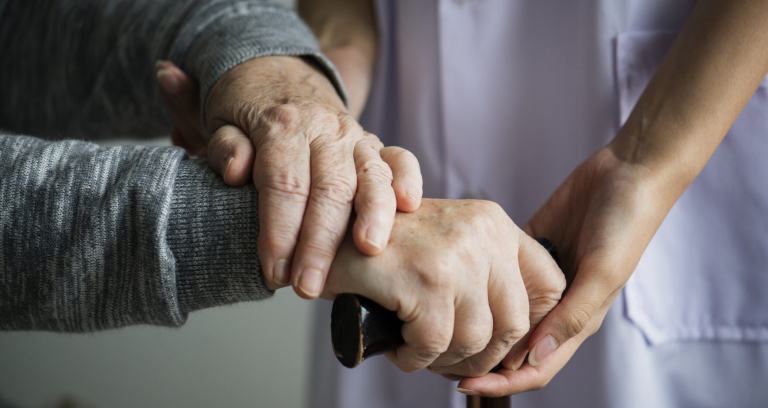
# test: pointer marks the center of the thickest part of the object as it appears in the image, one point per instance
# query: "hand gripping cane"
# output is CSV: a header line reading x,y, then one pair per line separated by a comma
x,y
361,328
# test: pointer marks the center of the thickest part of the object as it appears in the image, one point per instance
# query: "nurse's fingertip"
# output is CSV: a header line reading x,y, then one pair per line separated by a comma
x,y
542,350
466,391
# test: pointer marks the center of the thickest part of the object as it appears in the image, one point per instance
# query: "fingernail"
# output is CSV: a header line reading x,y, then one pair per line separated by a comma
x,y
167,81
542,350
375,236
466,391
159,62
227,164
311,281
280,272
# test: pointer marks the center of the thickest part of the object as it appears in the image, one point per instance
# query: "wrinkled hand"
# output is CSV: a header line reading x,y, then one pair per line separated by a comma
x,y
456,272
280,121
601,219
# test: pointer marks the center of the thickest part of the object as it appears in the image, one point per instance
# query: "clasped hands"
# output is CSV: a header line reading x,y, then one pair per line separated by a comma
x,y
469,284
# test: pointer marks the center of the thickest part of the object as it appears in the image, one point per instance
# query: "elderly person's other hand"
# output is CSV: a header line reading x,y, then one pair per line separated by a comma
x,y
456,272
280,121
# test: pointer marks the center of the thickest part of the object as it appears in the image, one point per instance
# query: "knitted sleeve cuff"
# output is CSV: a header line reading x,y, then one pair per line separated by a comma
x,y
212,233
226,34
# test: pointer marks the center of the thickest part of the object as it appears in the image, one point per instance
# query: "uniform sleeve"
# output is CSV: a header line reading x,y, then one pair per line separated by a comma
x,y
85,68
96,238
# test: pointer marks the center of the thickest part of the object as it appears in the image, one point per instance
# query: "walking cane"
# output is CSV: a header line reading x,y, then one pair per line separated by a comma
x,y
361,328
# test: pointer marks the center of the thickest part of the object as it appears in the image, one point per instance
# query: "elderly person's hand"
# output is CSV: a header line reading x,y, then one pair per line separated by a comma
x,y
280,121
464,279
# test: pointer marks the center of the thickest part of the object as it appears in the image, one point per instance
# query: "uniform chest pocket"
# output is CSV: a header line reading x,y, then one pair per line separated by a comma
x,y
704,276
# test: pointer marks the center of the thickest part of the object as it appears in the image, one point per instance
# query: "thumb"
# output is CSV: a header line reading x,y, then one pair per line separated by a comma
x,y
575,313
231,155
544,283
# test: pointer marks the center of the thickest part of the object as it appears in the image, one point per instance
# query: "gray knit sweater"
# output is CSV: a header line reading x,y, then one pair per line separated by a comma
x,y
94,238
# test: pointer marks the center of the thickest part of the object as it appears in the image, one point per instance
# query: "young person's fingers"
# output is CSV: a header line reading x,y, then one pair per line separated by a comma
x,y
593,287
544,283
527,378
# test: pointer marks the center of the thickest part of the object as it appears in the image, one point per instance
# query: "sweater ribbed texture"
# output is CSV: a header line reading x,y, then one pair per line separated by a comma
x,y
94,238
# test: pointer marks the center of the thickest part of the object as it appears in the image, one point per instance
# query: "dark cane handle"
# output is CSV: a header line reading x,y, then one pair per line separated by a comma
x,y
361,327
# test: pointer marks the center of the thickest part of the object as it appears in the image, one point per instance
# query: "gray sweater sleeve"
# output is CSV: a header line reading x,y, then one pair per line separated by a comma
x,y
85,68
96,238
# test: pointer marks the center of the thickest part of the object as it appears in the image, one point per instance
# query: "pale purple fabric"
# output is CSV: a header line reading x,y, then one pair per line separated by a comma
x,y
501,100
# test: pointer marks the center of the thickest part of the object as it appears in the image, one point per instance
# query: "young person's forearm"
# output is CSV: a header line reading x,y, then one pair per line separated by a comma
x,y
348,36
708,76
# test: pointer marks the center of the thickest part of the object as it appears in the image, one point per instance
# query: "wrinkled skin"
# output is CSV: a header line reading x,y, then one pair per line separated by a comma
x,y
463,277
280,122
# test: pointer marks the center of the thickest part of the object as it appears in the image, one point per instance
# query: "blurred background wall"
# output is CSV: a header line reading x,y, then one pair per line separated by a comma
x,y
246,355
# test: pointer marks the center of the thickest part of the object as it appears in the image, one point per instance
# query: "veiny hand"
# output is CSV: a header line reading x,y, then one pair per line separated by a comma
x,y
280,121
601,219
454,272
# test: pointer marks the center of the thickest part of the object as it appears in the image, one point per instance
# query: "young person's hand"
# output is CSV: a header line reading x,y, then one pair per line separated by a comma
x,y
601,219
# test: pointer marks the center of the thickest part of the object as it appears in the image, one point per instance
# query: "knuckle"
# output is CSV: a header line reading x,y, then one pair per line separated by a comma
x,y
284,115
375,206
276,241
576,321
320,247
433,342
374,138
509,338
337,189
221,142
328,127
470,348
434,348
435,276
521,328
402,155
371,141
484,212
287,183
376,170
492,208
475,369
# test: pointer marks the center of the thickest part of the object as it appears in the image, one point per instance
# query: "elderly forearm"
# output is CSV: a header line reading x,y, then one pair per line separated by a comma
x,y
348,35
96,238
712,70
86,67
